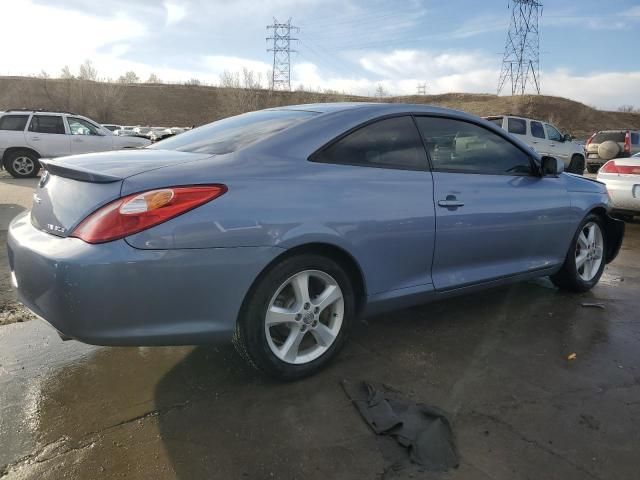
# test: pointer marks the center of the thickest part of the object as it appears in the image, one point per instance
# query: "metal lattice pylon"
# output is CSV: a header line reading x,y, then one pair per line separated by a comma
x,y
521,59
281,48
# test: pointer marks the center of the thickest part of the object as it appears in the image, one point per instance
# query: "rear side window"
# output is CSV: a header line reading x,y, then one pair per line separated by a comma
x,y
234,133
456,146
517,126
537,130
13,122
635,138
389,143
613,136
46,124
496,120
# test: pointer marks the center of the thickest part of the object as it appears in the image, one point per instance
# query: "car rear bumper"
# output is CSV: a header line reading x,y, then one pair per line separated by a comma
x,y
621,193
114,294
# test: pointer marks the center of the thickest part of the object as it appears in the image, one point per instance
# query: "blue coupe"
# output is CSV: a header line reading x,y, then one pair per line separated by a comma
x,y
277,228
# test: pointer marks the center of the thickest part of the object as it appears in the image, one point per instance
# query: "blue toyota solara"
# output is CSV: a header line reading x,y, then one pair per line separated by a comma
x,y
277,228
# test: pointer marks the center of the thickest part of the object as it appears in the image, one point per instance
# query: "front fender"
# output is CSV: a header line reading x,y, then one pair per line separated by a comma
x,y
614,231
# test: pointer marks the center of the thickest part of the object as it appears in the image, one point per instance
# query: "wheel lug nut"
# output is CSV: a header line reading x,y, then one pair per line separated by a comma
x,y
306,306
316,310
298,316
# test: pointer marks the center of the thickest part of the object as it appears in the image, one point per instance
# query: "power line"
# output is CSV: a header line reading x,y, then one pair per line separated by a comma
x,y
281,38
521,58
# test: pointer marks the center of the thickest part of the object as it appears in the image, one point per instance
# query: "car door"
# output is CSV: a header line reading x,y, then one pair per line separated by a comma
x,y
557,146
87,137
46,135
382,203
495,216
539,140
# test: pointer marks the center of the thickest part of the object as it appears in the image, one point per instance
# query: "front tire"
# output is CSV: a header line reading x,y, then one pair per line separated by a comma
x,y
585,260
22,164
296,318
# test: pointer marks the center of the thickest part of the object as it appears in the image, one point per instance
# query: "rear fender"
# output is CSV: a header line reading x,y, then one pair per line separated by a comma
x,y
614,231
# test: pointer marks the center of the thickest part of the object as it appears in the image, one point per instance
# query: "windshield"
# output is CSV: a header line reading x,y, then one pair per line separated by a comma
x,y
231,134
604,136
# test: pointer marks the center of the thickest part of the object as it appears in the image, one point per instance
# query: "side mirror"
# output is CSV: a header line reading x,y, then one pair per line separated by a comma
x,y
551,166
567,138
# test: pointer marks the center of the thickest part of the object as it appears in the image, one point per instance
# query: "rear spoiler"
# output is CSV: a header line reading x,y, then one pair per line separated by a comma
x,y
76,173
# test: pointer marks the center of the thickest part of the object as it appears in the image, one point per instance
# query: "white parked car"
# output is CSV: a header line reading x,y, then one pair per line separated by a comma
x,y
622,178
27,135
545,139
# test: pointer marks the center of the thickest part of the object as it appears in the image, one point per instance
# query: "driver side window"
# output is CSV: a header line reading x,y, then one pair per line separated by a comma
x,y
552,133
77,126
462,147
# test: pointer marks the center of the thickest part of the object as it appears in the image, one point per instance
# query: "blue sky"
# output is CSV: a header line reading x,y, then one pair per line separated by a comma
x,y
587,49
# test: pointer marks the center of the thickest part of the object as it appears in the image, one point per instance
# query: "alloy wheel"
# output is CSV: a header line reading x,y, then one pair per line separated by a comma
x,y
589,251
23,165
304,317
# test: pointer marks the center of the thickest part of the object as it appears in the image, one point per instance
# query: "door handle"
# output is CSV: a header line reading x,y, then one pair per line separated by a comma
x,y
552,145
78,140
451,202
35,139
533,141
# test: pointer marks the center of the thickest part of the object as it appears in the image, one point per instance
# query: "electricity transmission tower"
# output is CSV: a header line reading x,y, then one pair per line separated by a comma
x,y
521,59
422,89
281,48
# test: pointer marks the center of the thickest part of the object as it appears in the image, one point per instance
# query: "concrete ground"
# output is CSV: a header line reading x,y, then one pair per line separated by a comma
x,y
496,361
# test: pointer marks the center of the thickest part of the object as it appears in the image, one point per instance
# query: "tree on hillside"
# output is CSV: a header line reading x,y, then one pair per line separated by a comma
x,y
193,81
129,77
88,71
153,78
626,108
381,91
66,74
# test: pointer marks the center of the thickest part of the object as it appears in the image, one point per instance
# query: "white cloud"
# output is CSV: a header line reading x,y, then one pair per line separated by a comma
x,y
175,12
60,37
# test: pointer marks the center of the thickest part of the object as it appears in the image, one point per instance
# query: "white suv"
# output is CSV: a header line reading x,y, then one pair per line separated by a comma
x,y
545,139
27,135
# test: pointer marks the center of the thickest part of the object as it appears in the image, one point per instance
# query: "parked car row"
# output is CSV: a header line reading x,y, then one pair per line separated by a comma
x,y
28,135
152,133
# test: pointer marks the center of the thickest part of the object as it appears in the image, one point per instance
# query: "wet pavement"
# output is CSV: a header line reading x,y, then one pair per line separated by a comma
x,y
496,361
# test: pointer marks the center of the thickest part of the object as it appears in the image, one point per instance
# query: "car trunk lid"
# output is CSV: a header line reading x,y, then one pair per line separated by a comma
x,y
73,187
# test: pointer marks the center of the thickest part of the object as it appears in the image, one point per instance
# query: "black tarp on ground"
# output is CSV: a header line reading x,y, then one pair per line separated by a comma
x,y
421,434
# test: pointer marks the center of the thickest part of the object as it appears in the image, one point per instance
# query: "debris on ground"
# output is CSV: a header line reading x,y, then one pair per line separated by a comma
x,y
14,313
410,432
572,356
594,305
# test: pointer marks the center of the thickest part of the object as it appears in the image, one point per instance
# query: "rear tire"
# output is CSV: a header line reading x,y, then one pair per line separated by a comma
x,y
593,168
278,317
577,164
585,260
22,164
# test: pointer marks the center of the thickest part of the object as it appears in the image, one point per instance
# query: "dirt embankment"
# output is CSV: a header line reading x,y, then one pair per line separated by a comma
x,y
153,104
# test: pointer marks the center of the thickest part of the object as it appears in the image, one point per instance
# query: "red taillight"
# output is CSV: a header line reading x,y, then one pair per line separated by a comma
x,y
137,212
627,142
612,167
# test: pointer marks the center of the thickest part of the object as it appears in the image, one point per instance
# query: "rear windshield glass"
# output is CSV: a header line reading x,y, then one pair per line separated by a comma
x,y
13,122
604,136
496,120
234,133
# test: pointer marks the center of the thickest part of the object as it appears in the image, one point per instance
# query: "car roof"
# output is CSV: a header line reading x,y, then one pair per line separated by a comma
x,y
375,108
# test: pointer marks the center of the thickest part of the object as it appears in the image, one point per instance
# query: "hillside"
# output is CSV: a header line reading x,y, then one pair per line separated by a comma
x,y
152,104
